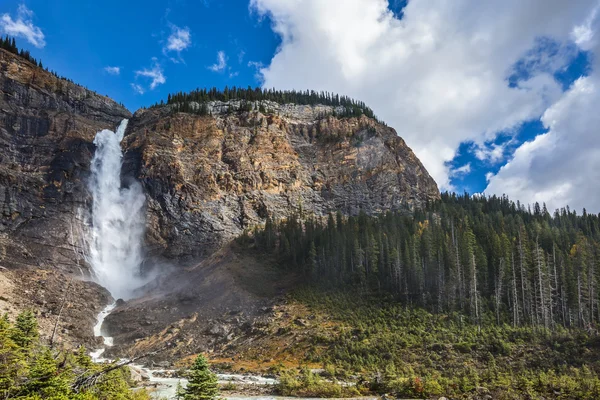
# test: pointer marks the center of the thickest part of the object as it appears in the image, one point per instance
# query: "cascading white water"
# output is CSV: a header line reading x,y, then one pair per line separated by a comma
x,y
108,341
115,252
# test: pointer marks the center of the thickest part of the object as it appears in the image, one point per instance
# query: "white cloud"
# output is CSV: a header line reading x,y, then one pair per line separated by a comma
x,y
439,75
561,167
493,153
112,70
179,40
155,73
23,27
461,171
221,63
258,66
137,88
546,57
583,34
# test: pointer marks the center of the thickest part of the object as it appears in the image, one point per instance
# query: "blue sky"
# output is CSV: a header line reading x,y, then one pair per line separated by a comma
x,y
473,90
505,143
84,37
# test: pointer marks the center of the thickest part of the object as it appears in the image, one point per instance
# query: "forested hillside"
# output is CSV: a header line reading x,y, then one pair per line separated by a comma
x,y
348,107
470,297
488,258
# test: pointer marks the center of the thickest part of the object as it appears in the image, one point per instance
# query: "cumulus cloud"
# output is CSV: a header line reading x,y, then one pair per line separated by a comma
x,y
155,74
22,26
112,70
583,34
562,166
221,63
439,75
179,40
493,153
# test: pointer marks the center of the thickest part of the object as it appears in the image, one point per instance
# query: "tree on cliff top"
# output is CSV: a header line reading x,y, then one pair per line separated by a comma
x,y
202,383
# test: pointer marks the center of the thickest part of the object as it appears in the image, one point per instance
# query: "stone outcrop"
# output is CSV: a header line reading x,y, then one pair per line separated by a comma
x,y
208,178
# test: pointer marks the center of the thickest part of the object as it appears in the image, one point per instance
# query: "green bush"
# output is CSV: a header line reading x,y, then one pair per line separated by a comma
x,y
308,384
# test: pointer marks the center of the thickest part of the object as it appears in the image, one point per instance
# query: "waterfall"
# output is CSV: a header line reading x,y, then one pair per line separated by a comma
x,y
117,230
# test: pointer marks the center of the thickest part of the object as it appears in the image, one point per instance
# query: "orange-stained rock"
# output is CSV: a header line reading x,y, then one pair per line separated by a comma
x,y
210,177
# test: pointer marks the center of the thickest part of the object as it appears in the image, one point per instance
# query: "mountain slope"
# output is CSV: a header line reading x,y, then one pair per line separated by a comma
x,y
210,177
47,127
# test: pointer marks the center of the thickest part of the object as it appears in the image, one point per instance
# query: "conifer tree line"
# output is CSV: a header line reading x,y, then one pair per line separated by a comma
x,y
488,258
9,44
181,101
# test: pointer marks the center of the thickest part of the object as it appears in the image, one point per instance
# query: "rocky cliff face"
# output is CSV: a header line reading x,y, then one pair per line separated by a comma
x,y
207,178
47,126
210,177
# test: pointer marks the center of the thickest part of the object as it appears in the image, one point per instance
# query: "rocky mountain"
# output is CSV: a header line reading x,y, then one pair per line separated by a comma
x,y
210,177
207,178
47,128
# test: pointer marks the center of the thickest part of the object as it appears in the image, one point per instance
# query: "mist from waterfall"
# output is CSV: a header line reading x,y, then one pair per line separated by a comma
x,y
117,230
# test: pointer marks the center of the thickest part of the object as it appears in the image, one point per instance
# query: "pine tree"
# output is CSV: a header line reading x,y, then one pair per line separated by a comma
x,y
12,360
202,383
179,391
45,379
82,358
313,263
33,371
25,330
